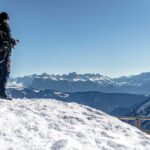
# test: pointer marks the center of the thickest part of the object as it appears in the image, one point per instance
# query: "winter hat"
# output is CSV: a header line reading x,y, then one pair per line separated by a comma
x,y
3,16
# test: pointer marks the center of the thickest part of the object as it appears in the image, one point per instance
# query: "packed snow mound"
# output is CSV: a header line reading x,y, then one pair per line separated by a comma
x,y
55,125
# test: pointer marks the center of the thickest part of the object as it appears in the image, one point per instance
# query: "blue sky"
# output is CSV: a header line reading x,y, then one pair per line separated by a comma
x,y
110,37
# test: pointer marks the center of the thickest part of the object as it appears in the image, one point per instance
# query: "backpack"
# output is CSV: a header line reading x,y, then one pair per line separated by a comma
x,y
4,44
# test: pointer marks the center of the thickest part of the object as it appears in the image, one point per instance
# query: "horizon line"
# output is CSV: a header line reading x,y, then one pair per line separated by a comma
x,y
67,73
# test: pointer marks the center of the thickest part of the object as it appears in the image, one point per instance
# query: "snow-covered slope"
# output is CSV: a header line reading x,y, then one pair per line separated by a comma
x,y
15,85
55,125
143,110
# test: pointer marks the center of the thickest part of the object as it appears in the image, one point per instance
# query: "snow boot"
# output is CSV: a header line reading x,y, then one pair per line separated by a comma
x,y
5,97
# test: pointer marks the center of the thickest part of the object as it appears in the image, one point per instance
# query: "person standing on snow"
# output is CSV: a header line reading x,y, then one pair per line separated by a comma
x,y
6,45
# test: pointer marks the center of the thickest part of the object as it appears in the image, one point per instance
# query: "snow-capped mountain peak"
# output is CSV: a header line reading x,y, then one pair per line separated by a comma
x,y
73,82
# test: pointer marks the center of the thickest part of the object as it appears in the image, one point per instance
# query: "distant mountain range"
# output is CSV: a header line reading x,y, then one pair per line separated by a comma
x,y
73,82
108,102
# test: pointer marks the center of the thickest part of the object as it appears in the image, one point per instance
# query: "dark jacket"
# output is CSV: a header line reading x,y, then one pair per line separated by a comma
x,y
6,33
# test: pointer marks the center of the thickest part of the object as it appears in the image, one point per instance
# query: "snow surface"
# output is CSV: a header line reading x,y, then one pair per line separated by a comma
x,y
15,84
55,125
61,94
144,108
